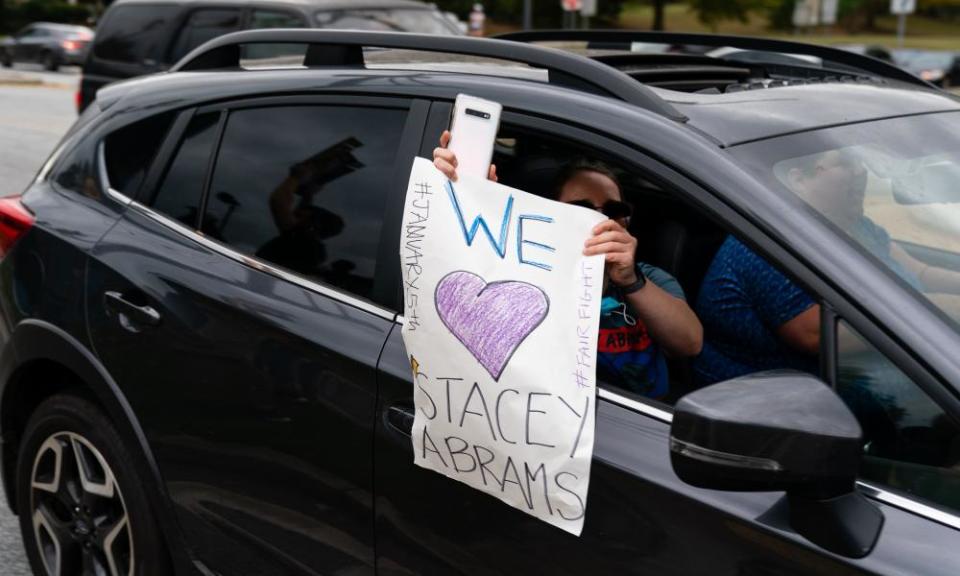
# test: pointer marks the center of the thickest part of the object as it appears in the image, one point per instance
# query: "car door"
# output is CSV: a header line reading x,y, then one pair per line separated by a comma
x,y
640,518
131,40
235,304
28,44
15,46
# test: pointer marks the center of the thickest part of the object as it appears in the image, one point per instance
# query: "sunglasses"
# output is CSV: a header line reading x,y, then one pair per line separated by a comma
x,y
613,209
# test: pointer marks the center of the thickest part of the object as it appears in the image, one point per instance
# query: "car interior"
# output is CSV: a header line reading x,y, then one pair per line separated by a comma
x,y
678,238
670,234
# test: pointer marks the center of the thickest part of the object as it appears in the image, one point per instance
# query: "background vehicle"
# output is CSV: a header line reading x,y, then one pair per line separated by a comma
x,y
137,37
232,390
46,43
874,51
939,67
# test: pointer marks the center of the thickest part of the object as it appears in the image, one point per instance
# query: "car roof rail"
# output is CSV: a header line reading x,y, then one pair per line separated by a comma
x,y
330,48
606,38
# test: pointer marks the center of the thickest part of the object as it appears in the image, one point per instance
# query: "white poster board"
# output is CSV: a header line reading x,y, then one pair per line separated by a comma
x,y
501,316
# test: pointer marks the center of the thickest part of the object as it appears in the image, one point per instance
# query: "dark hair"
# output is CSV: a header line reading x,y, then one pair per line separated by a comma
x,y
574,167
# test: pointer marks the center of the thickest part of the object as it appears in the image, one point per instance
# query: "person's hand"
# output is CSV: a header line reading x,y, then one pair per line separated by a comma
x,y
619,247
446,161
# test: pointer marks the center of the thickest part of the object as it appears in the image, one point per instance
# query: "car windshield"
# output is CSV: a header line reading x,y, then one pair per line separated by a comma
x,y
891,187
422,21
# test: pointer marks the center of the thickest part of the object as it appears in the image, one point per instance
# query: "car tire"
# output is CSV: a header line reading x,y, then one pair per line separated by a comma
x,y
5,60
51,62
82,505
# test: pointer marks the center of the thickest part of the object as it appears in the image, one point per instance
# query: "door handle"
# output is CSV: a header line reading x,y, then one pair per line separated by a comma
x,y
400,419
145,315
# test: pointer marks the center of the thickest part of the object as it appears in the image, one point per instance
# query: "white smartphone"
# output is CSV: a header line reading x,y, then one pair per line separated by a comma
x,y
473,130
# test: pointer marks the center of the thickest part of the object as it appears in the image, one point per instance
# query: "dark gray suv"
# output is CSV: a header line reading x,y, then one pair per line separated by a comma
x,y
137,37
201,300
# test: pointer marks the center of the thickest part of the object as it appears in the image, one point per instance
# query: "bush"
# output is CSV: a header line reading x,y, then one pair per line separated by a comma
x,y
15,16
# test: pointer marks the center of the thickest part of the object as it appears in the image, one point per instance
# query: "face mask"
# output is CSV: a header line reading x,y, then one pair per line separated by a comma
x,y
610,306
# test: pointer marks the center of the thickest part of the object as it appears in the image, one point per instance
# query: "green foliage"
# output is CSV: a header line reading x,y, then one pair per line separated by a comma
x,y
780,15
712,12
16,16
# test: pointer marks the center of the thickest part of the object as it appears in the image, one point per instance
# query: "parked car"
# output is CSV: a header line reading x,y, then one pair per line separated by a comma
x,y
49,44
137,37
201,366
872,50
938,67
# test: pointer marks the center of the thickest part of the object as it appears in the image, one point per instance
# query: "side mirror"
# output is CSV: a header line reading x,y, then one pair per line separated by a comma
x,y
781,430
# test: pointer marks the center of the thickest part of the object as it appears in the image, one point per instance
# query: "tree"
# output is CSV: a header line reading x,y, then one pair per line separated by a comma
x,y
711,12
659,6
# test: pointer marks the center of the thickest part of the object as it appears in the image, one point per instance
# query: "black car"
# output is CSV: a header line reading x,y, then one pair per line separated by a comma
x,y
49,44
878,52
137,37
940,67
189,385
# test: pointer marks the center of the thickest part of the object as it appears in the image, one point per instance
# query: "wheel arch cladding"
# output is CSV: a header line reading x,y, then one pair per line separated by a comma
x,y
43,360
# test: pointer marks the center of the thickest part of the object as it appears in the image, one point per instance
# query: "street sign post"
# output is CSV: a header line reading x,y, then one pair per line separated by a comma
x,y
570,9
901,8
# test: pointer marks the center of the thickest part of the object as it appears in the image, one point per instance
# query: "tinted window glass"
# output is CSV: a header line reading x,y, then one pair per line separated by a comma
x,y
274,54
178,196
129,151
307,194
910,443
133,33
396,20
201,26
77,170
274,19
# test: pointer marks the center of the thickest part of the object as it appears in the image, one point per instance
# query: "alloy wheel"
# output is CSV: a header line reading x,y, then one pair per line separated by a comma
x,y
80,521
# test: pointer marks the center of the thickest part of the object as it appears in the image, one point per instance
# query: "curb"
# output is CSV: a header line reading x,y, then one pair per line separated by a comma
x,y
15,79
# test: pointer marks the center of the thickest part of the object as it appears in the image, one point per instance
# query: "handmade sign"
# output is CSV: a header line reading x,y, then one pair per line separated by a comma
x,y
501,316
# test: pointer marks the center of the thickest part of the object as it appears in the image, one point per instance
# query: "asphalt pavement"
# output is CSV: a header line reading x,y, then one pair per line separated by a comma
x,y
36,108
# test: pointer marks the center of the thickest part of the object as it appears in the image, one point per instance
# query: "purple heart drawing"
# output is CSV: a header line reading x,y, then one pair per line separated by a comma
x,y
491,320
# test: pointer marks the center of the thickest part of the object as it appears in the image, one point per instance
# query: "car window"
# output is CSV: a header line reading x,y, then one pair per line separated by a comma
x,y
910,443
275,19
77,170
629,359
133,33
203,25
888,189
396,20
273,54
308,194
178,195
129,151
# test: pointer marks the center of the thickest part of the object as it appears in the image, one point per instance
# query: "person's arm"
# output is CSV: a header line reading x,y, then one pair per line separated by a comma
x,y
934,278
802,332
282,200
669,320
446,161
